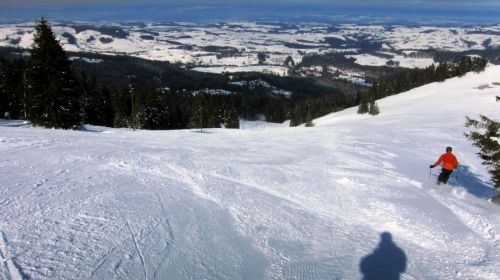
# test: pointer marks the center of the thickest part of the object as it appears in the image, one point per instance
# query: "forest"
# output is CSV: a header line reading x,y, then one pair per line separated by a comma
x,y
124,91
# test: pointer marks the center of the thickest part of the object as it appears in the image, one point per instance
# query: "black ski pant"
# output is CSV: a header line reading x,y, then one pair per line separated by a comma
x,y
444,176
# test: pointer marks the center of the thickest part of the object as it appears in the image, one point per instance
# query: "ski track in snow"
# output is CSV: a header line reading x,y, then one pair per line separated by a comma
x,y
139,252
7,265
281,203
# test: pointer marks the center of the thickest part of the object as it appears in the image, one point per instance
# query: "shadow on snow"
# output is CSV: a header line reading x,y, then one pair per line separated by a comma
x,y
464,178
386,262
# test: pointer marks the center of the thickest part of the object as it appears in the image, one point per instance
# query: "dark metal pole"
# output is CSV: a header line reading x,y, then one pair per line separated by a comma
x,y
131,89
24,95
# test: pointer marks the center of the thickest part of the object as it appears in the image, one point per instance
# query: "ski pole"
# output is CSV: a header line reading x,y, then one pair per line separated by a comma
x,y
430,170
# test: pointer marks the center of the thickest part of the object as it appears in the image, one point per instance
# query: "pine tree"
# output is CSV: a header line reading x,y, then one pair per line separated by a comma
x,y
95,103
262,57
4,91
199,114
309,118
295,116
289,61
89,100
120,99
488,143
107,114
53,98
363,106
442,72
309,123
12,88
374,110
231,119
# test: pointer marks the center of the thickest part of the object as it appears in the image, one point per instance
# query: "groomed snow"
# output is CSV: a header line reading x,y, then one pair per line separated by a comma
x,y
272,203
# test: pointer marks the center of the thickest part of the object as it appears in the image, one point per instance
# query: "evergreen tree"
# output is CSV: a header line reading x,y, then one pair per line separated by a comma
x,y
442,72
95,103
374,110
309,123
298,114
200,112
12,88
120,98
289,61
309,118
53,98
363,106
4,108
276,110
107,114
231,118
262,57
163,113
488,143
197,118
89,100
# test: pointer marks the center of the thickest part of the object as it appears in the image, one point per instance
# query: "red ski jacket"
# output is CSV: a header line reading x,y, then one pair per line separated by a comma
x,y
449,161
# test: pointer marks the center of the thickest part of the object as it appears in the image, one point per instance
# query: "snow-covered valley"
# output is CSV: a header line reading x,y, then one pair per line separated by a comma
x,y
235,46
268,202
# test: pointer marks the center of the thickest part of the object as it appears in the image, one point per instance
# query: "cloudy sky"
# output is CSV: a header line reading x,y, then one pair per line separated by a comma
x,y
450,3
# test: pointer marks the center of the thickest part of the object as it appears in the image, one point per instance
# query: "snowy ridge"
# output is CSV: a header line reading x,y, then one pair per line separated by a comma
x,y
266,203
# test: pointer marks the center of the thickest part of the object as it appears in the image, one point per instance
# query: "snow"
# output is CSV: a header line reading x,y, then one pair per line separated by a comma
x,y
89,60
185,42
270,69
262,203
260,83
403,61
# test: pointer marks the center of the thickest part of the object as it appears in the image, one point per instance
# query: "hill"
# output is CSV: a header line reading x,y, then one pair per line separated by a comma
x,y
271,203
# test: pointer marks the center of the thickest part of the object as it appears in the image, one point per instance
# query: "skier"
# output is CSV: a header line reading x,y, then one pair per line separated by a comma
x,y
449,164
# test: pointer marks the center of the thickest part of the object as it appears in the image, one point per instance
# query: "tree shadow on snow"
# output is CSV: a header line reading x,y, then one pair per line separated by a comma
x,y
13,123
201,132
84,128
386,262
464,178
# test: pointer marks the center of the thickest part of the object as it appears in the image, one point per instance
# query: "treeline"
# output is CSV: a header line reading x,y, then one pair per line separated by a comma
x,y
51,91
341,61
122,91
408,79
306,110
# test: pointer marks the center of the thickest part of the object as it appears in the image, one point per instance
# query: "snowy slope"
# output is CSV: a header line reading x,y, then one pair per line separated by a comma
x,y
267,203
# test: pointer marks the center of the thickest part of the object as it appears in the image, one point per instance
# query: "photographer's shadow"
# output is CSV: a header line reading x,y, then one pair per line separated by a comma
x,y
387,262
